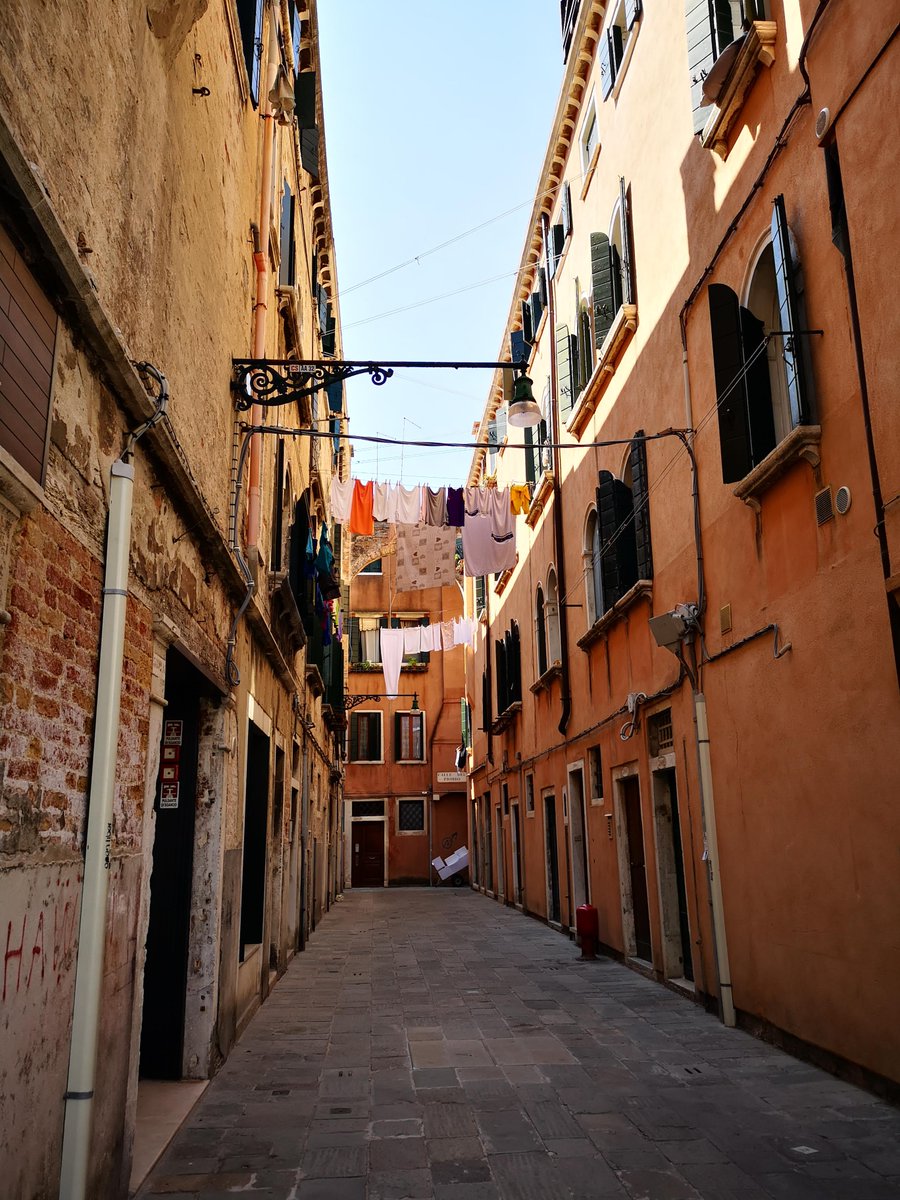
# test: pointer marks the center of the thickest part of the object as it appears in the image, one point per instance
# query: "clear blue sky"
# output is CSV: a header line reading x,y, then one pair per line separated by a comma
x,y
436,121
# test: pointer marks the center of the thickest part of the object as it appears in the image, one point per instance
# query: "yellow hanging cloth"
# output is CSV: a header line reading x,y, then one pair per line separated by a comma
x,y
520,498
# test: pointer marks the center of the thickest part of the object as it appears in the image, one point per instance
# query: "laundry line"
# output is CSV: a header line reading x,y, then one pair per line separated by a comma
x,y
396,644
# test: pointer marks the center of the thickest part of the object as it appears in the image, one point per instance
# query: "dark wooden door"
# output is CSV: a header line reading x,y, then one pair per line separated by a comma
x,y
368,853
634,826
553,904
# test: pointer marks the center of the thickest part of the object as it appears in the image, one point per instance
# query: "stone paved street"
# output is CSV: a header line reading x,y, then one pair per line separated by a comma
x,y
433,1044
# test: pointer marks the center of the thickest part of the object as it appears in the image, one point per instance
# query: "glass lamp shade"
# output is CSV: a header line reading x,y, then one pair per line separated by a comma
x,y
524,411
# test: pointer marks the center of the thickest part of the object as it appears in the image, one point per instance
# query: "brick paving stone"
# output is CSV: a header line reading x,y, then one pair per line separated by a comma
x,y
433,1045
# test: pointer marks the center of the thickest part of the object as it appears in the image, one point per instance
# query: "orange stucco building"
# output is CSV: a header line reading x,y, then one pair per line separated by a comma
x,y
714,537
404,796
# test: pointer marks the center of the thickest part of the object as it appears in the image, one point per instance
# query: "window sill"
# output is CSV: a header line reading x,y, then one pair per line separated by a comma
x,y
507,717
757,51
366,668
800,443
409,762
289,307
542,494
315,680
643,588
620,334
285,613
541,685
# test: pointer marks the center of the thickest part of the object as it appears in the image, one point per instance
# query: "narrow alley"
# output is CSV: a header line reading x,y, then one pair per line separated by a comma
x,y
434,1044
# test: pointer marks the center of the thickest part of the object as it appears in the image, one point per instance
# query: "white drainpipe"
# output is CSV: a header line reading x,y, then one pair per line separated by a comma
x,y
92,927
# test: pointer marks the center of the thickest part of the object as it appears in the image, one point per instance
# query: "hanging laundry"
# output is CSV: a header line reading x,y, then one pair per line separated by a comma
x,y
435,506
391,659
489,546
384,506
409,504
341,499
361,518
520,498
464,631
425,557
476,501
447,642
412,639
456,508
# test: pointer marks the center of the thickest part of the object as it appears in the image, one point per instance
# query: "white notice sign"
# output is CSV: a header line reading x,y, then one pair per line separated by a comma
x,y
451,777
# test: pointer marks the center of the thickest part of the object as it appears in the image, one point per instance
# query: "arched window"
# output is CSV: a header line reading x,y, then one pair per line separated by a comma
x,y
551,617
761,369
591,558
612,259
540,630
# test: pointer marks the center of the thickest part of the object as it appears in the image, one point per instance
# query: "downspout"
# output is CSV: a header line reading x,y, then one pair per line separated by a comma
x,y
79,1097
304,830
558,534
261,259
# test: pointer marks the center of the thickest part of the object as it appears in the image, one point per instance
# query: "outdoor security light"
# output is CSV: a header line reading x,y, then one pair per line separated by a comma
x,y
671,628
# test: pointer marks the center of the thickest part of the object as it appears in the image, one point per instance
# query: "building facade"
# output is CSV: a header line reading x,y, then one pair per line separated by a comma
x,y
405,795
697,732
163,209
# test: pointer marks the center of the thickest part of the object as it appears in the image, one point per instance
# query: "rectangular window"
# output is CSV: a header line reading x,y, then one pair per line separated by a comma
x,y
372,568
595,764
368,808
410,816
365,737
504,793
287,268
27,342
250,16
529,795
590,138
409,737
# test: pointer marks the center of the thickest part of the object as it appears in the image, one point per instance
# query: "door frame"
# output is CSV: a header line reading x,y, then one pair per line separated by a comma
x,y
620,775
549,794
348,835
666,870
578,814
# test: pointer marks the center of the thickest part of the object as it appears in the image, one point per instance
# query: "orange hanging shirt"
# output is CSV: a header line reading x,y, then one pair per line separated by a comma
x,y
361,509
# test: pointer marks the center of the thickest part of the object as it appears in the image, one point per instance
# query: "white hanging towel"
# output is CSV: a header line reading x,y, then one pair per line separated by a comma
x,y
409,504
391,659
385,502
412,640
341,499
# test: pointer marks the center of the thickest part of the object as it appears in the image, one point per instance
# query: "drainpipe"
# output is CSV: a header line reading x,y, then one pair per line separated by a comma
x,y
558,534
708,809
304,831
261,259
79,1097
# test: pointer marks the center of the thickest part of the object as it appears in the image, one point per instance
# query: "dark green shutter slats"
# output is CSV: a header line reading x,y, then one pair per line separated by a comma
x,y
537,311
485,702
309,151
519,351
602,285
527,324
335,393
464,729
500,681
564,370
632,12
757,388
618,558
728,363
288,263
355,641
305,100
479,594
627,255
501,419
328,332
607,77
542,291
640,496
555,249
709,31
530,473
789,314
354,737
565,212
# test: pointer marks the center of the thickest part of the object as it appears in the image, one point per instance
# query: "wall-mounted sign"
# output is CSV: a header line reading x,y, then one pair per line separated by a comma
x,y
452,777
172,733
168,795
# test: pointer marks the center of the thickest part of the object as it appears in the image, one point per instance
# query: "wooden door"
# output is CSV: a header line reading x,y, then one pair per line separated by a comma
x,y
634,826
367,839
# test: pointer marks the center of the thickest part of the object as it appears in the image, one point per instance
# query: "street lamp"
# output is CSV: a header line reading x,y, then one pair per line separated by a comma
x,y
273,382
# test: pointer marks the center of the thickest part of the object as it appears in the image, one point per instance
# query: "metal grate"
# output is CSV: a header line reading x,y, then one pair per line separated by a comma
x,y
411,816
368,808
824,507
842,500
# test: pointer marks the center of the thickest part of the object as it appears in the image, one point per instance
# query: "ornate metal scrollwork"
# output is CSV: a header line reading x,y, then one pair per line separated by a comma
x,y
273,383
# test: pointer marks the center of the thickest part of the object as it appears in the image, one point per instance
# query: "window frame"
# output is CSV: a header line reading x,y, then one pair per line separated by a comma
x,y
595,775
399,716
366,712
529,794
410,832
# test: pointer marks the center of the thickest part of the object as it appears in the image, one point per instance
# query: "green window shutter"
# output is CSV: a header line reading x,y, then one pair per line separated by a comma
x,y
627,249
709,31
632,12
501,417
555,249
640,495
602,284
398,737
485,702
541,630
542,290
530,474
328,333
757,387
618,559
527,328
355,641
607,68
479,595
354,737
519,351
789,314
500,681
564,370
565,212
537,311
731,397
464,721
305,100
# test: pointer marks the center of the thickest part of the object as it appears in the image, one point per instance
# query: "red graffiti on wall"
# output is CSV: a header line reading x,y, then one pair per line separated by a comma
x,y
28,958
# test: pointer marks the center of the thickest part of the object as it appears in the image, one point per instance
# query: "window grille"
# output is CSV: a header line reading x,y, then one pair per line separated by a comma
x,y
411,816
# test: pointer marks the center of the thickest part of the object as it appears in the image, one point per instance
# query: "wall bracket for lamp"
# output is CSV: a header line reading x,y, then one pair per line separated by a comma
x,y
273,382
